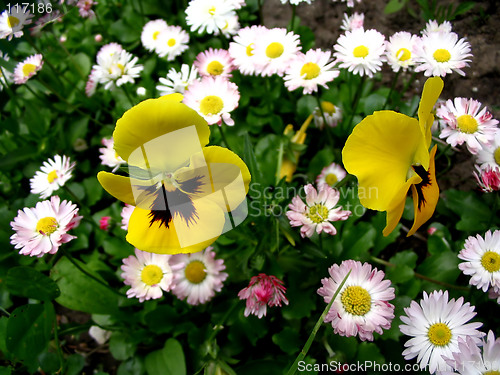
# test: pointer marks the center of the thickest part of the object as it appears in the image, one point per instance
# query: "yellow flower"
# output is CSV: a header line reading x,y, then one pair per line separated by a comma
x,y
184,192
389,154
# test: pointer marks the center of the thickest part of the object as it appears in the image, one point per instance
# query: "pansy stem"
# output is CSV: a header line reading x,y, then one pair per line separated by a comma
x,y
320,321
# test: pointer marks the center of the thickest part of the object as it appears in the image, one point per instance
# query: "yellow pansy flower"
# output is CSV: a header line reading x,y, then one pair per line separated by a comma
x,y
389,154
185,194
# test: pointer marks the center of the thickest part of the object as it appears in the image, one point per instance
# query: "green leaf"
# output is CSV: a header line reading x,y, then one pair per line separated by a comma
x,y
474,213
250,159
306,105
394,6
80,292
30,283
441,267
121,346
5,370
29,330
405,262
117,247
368,352
75,364
167,361
288,340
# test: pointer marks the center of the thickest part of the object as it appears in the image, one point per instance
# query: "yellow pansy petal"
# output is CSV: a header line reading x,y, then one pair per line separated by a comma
x,y
126,189
424,208
160,133
432,89
179,237
380,152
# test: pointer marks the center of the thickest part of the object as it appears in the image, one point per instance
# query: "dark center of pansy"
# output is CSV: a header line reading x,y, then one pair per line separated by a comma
x,y
426,181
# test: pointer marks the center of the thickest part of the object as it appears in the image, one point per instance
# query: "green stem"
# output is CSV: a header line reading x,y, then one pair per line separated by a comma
x,y
127,94
325,125
223,135
45,60
35,94
292,21
393,85
357,96
58,345
321,319
320,241
281,151
5,312
277,221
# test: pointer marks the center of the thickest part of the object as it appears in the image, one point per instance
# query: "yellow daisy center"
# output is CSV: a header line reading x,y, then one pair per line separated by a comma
x,y
151,274
210,105
195,272
467,124
491,261
155,35
311,70
442,55
12,21
215,68
492,372
318,213
331,178
46,226
328,107
211,11
28,69
439,334
171,42
360,51
274,50
249,49
121,67
52,176
496,155
403,54
356,300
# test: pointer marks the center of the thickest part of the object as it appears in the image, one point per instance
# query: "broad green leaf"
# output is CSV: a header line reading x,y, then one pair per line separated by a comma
x,y
405,262
30,283
121,346
288,340
167,361
394,5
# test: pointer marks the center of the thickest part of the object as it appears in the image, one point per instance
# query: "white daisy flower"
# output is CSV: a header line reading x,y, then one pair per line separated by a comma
x,y
11,24
51,176
108,155
362,305
177,81
213,98
275,50
361,51
148,275
465,123
489,155
310,70
482,260
231,26
296,2
209,16
435,326
329,113
434,27
352,22
441,53
151,32
27,69
117,69
172,42
42,229
242,49
470,359
199,277
109,50
214,62
330,175
399,50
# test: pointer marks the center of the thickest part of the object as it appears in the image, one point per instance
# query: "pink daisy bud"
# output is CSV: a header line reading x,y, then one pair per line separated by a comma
x,y
104,222
488,179
262,291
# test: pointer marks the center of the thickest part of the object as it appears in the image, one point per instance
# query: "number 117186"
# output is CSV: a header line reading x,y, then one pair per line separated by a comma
x,y
34,8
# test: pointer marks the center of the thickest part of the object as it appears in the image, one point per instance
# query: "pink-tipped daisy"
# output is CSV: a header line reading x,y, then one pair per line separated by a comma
x,y
262,291
310,70
151,32
214,62
328,113
91,84
465,122
27,69
488,179
435,325
209,16
42,229
12,23
399,50
482,260
52,175
199,277
361,51
85,8
213,98
470,359
318,212
108,155
177,81
125,213
494,294
330,175
362,305
275,50
109,51
352,22
243,46
148,275
172,42
442,53
489,155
